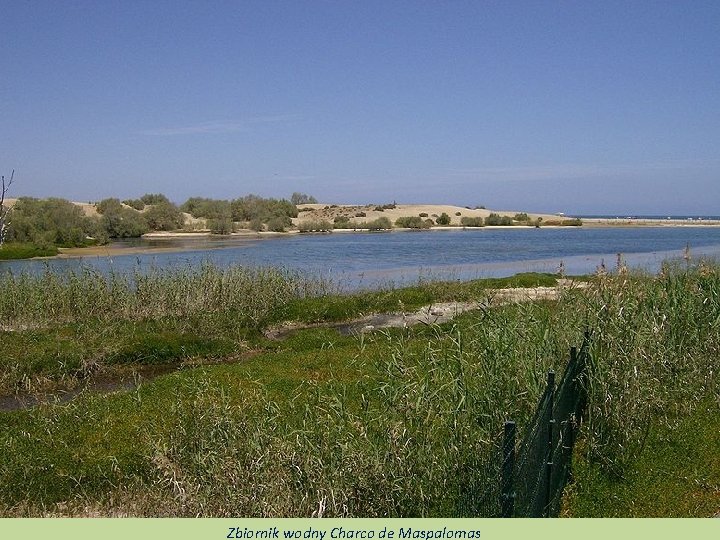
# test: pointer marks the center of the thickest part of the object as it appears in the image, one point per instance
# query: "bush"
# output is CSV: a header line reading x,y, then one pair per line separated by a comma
x,y
154,198
444,219
301,198
360,214
164,216
471,222
411,222
51,222
137,204
122,222
423,214
111,204
316,226
458,213
220,225
279,223
496,219
575,222
379,224
200,207
345,224
252,207
523,217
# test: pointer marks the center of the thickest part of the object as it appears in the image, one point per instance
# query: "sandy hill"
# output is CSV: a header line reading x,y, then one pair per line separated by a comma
x,y
331,211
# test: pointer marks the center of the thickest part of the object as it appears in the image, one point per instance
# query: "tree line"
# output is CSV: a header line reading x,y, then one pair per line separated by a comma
x,y
60,223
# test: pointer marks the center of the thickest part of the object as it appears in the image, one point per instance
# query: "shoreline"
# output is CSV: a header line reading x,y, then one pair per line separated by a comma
x,y
111,250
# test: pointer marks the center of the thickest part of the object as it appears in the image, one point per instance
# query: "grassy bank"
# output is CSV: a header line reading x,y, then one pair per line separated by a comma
x,y
676,475
392,423
62,329
20,250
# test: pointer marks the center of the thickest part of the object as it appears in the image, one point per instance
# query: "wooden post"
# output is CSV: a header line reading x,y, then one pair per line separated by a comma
x,y
549,468
507,502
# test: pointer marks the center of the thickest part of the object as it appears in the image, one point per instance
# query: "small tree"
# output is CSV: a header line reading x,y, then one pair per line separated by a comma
x,y
302,198
444,219
4,211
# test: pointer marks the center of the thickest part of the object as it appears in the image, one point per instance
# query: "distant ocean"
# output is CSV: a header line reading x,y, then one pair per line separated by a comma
x,y
683,217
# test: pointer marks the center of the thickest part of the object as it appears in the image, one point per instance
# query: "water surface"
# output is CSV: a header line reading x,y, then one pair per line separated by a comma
x,y
370,259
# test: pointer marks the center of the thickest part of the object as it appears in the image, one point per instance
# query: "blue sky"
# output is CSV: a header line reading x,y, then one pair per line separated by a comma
x,y
581,107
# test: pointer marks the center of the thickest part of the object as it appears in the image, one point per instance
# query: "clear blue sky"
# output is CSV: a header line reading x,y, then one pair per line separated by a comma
x,y
579,106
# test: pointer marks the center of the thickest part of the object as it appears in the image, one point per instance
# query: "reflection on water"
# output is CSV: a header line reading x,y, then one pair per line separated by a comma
x,y
372,259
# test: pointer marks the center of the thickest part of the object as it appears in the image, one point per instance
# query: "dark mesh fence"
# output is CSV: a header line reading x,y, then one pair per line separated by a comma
x,y
526,478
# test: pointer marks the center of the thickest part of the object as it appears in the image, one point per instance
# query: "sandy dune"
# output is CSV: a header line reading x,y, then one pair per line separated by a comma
x,y
330,212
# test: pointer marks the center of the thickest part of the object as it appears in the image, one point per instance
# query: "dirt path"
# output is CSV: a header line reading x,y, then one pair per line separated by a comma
x,y
432,314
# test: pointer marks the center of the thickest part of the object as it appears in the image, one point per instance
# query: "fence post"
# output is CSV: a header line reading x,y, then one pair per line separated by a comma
x,y
508,472
581,381
551,426
549,465
550,389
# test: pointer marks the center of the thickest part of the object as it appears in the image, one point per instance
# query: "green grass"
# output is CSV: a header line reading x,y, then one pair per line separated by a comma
x,y
20,250
676,475
340,307
66,327
395,423
40,359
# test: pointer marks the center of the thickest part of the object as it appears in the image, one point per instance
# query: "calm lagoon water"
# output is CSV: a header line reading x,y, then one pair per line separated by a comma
x,y
358,260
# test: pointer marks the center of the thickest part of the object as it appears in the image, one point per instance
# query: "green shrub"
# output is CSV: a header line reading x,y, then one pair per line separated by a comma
x,y
52,221
154,198
279,224
411,222
111,204
220,225
575,222
316,226
200,207
137,204
471,221
444,219
164,216
252,207
379,224
496,219
302,198
522,217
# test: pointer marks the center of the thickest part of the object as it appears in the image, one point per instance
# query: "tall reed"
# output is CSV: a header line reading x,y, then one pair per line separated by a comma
x,y
251,294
